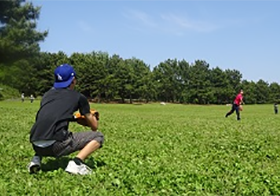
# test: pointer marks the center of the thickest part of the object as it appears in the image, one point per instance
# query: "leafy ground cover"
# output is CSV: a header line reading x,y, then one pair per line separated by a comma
x,y
152,150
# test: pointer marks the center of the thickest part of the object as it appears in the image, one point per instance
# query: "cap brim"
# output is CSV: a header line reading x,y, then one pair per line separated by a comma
x,y
62,84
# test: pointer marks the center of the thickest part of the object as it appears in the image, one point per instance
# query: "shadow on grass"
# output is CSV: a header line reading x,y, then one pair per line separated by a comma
x,y
91,162
55,164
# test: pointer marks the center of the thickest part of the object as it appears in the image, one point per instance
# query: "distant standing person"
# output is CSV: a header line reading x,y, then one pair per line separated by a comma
x,y
276,108
31,98
236,104
22,97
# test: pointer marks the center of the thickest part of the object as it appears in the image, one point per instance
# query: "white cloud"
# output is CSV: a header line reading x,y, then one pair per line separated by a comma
x,y
85,27
186,24
167,23
141,17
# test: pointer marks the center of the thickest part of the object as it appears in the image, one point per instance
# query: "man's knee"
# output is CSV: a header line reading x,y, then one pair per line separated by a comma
x,y
99,137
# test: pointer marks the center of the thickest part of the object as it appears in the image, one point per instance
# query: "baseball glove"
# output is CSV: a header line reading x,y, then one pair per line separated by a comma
x,y
240,108
81,118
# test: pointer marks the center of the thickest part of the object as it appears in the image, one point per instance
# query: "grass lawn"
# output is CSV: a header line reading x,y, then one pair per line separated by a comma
x,y
152,149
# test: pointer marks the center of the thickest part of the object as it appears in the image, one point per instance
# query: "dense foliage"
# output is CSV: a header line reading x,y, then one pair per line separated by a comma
x,y
19,42
157,150
7,92
112,78
109,78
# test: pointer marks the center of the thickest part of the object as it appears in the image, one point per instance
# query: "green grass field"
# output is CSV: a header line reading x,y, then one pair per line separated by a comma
x,y
152,150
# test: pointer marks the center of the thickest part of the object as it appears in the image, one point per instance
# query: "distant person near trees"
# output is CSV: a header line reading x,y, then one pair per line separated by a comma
x,y
22,97
31,98
236,105
276,108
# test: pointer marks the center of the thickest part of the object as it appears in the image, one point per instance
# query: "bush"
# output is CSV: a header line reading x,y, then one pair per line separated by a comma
x,y
7,92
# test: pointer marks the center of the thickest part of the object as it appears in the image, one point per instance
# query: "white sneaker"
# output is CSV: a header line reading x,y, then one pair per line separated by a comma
x,y
35,165
73,168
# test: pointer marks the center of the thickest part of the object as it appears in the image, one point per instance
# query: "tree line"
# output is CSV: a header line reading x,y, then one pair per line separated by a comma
x,y
109,78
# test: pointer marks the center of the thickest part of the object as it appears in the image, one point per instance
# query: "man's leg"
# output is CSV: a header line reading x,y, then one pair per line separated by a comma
x,y
35,164
77,165
88,149
77,142
86,143
237,111
231,111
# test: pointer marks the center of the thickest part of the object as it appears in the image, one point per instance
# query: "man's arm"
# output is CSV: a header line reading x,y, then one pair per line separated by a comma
x,y
242,102
91,121
89,118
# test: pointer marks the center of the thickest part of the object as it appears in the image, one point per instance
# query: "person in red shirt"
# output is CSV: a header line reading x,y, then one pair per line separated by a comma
x,y
236,105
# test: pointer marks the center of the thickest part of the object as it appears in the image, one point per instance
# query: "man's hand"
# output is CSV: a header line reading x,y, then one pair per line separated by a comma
x,y
95,113
89,120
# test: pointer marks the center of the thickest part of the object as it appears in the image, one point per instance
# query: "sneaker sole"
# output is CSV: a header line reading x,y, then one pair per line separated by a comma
x,y
69,172
76,173
34,169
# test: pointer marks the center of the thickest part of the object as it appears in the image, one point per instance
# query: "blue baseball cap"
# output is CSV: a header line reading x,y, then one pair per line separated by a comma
x,y
64,75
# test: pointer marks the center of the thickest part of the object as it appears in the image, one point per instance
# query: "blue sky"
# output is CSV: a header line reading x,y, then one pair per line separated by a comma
x,y
241,35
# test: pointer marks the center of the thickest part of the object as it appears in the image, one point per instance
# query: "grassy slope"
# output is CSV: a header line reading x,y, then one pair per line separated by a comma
x,y
152,150
7,92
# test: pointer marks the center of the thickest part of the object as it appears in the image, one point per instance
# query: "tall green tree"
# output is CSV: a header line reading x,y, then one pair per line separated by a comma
x,y
139,77
148,90
111,80
262,91
220,86
274,91
100,76
165,76
19,41
44,66
184,81
249,89
200,83
91,72
18,35
234,78
124,78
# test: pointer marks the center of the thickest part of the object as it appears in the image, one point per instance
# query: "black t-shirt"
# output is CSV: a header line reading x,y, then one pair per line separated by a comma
x,y
56,110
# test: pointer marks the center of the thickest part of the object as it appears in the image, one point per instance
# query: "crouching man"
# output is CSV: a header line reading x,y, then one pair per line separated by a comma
x,y
50,135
